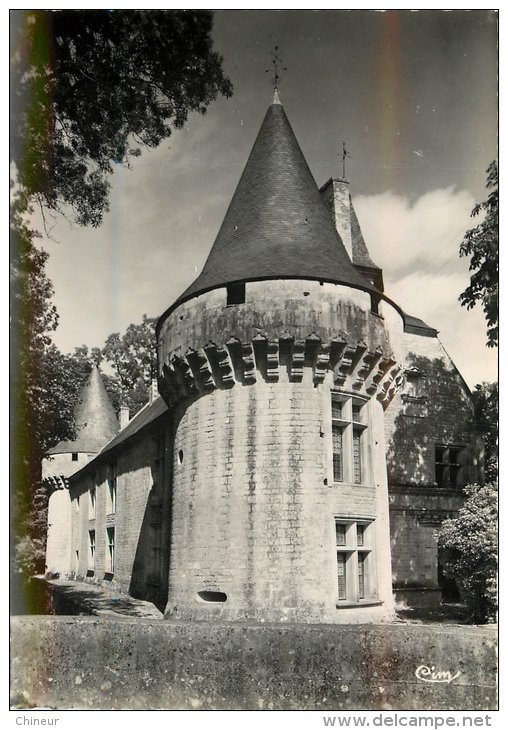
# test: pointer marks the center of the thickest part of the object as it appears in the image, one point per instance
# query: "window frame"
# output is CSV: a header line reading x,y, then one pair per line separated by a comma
x,y
92,503
353,421
445,464
110,549
235,293
351,554
112,494
92,549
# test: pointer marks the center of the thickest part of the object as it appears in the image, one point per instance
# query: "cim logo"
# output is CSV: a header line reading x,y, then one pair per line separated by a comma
x,y
430,674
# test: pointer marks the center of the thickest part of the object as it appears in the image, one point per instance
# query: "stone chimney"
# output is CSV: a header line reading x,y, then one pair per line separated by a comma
x,y
123,416
335,194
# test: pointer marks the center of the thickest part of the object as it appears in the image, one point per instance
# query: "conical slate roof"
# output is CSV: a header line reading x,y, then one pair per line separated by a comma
x,y
96,421
276,226
361,255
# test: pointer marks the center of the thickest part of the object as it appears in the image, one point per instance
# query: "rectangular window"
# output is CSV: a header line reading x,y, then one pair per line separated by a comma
x,y
235,293
353,546
341,576
112,495
340,532
74,456
93,496
356,409
338,456
357,456
361,575
348,429
91,549
110,550
449,466
337,409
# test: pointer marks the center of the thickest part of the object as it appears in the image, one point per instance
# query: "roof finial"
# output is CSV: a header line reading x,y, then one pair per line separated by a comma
x,y
276,61
344,154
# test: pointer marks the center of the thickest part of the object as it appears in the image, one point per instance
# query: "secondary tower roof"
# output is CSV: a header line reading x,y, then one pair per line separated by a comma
x,y
95,418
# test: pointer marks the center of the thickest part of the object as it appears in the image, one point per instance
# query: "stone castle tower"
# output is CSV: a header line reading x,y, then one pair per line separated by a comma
x,y
96,424
278,363
310,438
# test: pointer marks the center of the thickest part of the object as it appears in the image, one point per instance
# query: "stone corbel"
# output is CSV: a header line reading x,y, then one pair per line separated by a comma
x,y
343,367
322,362
365,367
297,360
249,364
184,373
272,360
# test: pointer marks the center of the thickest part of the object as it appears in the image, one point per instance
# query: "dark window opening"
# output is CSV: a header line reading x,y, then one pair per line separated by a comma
x,y
374,303
341,576
449,466
338,463
361,575
235,294
180,456
356,410
213,596
74,456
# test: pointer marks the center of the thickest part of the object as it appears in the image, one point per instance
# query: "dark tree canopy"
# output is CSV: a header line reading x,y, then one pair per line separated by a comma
x,y
133,358
90,87
482,244
88,90
486,399
470,542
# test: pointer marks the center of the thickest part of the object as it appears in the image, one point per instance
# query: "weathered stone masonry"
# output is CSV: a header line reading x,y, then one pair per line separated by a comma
x,y
254,500
309,440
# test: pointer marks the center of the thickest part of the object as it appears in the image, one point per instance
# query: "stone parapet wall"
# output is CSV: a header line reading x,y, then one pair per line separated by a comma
x,y
90,663
282,326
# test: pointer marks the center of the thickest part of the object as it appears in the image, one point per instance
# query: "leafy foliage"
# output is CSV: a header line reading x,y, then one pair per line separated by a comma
x,y
470,542
34,318
482,244
485,399
91,87
133,358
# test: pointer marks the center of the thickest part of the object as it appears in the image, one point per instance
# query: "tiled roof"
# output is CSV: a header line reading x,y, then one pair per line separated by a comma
x,y
95,418
276,226
415,326
361,255
145,416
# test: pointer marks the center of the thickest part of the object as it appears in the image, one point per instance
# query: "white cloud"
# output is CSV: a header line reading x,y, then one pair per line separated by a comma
x,y
417,245
401,235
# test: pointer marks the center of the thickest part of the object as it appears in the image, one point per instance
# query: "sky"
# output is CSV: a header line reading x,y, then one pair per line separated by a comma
x,y
413,95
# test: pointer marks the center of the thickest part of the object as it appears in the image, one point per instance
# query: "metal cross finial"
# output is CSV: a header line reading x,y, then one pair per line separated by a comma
x,y
344,154
276,61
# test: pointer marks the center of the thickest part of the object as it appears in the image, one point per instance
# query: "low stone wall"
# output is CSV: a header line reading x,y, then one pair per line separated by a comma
x,y
114,663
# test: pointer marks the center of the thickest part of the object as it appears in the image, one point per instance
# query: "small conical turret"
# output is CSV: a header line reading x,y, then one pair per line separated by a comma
x,y
95,418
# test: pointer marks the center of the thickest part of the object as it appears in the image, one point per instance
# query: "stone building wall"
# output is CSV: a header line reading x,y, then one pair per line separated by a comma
x,y
58,547
432,408
140,518
254,506
55,471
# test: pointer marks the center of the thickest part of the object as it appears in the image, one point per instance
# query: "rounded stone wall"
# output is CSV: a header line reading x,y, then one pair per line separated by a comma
x,y
255,502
